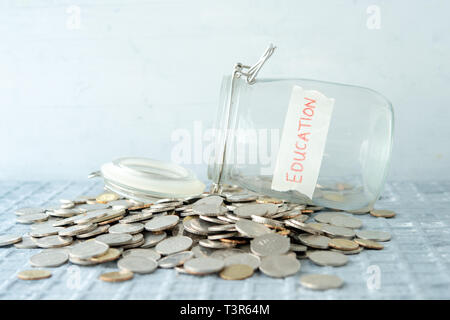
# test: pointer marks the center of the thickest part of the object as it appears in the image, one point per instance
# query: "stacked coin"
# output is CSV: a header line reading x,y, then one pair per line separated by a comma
x,y
232,234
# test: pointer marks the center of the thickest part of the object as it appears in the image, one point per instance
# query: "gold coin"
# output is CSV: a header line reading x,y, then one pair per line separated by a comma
x,y
140,206
116,276
234,241
307,211
236,272
343,244
35,274
382,213
107,197
284,232
269,200
110,255
369,244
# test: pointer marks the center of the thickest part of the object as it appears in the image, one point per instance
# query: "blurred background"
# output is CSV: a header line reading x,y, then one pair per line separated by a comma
x,y
84,82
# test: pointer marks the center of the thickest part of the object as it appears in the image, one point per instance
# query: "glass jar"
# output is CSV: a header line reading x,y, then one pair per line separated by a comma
x,y
250,124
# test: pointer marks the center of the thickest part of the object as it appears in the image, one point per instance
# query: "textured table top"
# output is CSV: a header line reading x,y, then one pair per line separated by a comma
x,y
415,264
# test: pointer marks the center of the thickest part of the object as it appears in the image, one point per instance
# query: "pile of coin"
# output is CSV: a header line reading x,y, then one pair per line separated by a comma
x,y
233,234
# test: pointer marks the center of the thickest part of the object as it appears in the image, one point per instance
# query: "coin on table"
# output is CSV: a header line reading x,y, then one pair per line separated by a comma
x,y
203,252
120,204
35,274
349,252
325,217
373,235
382,213
24,211
137,264
176,259
321,281
49,259
116,276
369,244
26,243
44,231
346,221
110,255
335,231
114,239
92,207
256,209
222,227
88,249
243,258
152,239
32,218
343,244
279,266
146,253
214,244
297,247
314,241
97,231
251,229
328,258
161,223
63,213
77,229
270,244
173,245
236,272
54,241
8,239
243,197
202,266
107,197
130,228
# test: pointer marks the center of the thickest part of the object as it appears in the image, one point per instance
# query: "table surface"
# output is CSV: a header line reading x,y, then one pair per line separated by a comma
x,y
415,264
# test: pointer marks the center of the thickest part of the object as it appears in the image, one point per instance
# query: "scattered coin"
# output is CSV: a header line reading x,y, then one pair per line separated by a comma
x,y
202,266
137,264
110,255
146,253
369,244
346,221
88,249
236,272
382,213
34,274
314,241
53,241
270,244
161,223
115,239
49,259
173,245
45,231
116,276
215,244
77,229
97,231
176,259
8,239
243,258
335,231
321,281
373,235
26,243
107,197
130,228
24,211
152,239
251,229
328,258
279,266
32,218
343,244
257,209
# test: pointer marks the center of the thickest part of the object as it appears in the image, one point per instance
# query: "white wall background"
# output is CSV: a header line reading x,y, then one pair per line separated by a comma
x,y
77,90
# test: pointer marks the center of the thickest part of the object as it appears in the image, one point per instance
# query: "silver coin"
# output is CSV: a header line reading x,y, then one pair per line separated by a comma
x,y
222,254
92,207
335,231
256,209
202,252
347,252
297,247
8,239
68,205
48,259
137,264
325,217
187,226
77,229
130,228
251,229
321,281
215,244
136,217
134,244
162,223
373,235
176,259
203,266
201,225
270,244
222,235
213,220
173,245
146,253
64,222
121,204
328,258
88,249
45,231
97,231
53,241
32,218
268,221
346,221
91,216
279,266
209,206
243,258
306,227
63,213
25,211
314,241
222,227
26,243
81,262
245,197
114,239
152,239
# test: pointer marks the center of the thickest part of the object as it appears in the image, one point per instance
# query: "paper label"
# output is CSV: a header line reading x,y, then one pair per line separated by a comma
x,y
302,141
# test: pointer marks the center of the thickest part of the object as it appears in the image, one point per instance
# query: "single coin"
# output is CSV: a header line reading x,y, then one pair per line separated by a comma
x,y
97,231
209,206
115,239
63,213
321,281
136,217
120,204
146,253
92,207
176,259
161,223
243,258
8,239
213,220
53,241
49,258
26,243
243,197
35,274
107,197
279,266
236,272
130,228
222,227
373,235
215,244
173,245
203,252
256,209
270,244
349,252
297,247
88,249
335,231
272,223
346,221
325,217
251,229
81,262
343,244
382,213
269,200
24,211
222,235
77,229
328,258
32,218
137,264
44,231
152,239
110,255
201,266
93,216
116,276
369,244
314,241
202,225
